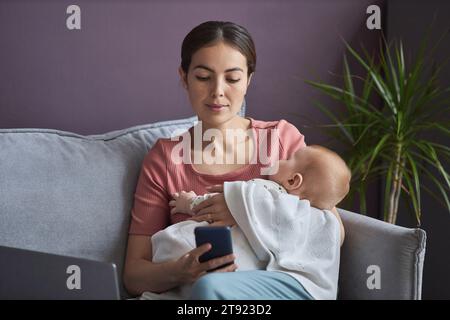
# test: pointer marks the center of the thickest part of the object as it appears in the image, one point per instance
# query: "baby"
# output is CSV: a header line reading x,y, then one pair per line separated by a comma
x,y
313,173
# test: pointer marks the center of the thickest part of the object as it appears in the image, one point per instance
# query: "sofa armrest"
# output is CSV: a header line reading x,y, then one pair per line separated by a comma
x,y
372,245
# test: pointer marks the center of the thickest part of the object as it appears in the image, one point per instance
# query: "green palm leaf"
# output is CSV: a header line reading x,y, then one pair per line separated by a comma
x,y
386,142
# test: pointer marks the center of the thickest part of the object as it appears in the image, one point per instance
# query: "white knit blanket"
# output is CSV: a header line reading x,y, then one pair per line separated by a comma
x,y
276,231
289,234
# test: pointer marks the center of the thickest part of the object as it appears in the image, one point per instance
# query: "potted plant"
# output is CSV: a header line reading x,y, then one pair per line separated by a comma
x,y
393,142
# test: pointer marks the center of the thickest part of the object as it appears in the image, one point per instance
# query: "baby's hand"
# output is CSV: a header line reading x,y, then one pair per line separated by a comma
x,y
182,202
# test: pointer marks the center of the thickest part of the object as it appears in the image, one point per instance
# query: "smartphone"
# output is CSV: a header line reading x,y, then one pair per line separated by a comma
x,y
220,240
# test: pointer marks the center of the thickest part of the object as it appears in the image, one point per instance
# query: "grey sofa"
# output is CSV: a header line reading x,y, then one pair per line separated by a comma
x,y
70,194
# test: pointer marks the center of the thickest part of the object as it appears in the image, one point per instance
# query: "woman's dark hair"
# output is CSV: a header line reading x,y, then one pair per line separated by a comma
x,y
210,32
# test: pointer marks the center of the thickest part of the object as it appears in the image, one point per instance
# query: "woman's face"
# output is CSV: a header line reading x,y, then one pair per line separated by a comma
x,y
216,83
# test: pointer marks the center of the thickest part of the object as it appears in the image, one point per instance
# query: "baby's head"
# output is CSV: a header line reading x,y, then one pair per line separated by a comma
x,y
315,173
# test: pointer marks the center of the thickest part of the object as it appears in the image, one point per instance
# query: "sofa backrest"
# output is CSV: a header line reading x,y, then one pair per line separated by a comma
x,y
69,194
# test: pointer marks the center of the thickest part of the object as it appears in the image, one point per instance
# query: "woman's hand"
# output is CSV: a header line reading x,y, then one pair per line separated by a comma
x,y
214,210
188,268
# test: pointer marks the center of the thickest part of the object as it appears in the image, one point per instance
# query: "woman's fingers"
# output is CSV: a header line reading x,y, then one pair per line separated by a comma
x,y
172,203
197,252
209,217
215,188
190,269
217,224
217,262
206,211
204,204
230,268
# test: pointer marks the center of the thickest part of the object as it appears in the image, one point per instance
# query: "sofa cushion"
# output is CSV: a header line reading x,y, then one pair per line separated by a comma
x,y
70,194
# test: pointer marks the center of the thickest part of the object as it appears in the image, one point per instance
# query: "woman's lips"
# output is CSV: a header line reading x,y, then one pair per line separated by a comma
x,y
216,107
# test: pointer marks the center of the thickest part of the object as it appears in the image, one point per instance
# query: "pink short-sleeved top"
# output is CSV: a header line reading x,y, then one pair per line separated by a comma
x,y
160,176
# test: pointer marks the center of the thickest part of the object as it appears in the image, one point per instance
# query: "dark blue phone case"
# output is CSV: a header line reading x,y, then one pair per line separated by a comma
x,y
218,237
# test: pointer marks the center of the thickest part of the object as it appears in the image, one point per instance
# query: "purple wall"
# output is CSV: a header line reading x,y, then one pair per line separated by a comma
x,y
120,69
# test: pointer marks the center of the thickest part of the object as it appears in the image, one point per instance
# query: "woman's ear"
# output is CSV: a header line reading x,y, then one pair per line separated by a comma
x,y
183,77
294,182
248,83
249,79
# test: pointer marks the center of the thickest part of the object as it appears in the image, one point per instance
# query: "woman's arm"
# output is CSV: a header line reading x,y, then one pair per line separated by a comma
x,y
140,274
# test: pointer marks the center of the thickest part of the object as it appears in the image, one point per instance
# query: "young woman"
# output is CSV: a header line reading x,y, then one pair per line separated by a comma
x,y
217,63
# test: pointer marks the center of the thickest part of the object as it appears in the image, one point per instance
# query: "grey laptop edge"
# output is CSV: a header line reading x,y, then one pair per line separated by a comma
x,y
33,275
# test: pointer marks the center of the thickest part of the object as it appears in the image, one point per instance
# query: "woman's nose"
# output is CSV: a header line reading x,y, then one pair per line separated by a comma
x,y
217,89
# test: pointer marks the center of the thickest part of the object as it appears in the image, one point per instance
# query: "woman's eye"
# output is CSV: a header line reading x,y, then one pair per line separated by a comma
x,y
207,78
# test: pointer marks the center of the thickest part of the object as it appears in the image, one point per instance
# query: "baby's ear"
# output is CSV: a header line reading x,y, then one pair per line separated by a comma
x,y
295,182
